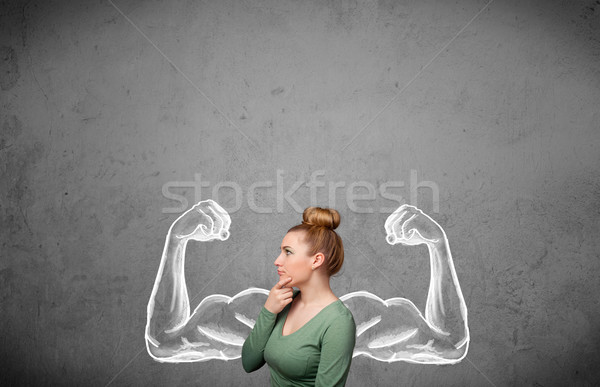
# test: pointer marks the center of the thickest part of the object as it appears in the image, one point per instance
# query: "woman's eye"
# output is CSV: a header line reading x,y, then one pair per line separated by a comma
x,y
287,251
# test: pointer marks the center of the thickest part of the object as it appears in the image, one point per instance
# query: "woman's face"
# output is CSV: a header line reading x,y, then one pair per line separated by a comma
x,y
293,260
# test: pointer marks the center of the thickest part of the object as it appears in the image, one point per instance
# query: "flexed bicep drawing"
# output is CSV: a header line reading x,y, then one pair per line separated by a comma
x,y
387,330
219,324
395,329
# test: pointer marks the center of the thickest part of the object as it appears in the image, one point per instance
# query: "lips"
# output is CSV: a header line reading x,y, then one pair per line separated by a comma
x,y
279,272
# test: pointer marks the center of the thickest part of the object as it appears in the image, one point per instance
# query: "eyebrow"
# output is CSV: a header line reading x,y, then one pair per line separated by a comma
x,y
283,247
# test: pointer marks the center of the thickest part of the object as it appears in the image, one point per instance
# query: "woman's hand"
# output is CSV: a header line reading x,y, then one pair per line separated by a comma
x,y
410,226
279,296
205,221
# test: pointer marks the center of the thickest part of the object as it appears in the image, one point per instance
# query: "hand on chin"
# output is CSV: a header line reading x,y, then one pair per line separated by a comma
x,y
286,276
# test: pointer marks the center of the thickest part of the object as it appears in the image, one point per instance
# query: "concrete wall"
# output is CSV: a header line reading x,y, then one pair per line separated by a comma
x,y
105,103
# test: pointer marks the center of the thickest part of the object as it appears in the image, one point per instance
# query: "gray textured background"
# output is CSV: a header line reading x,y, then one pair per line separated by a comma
x,y
95,120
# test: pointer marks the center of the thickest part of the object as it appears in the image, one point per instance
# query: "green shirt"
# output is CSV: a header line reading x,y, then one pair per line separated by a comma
x,y
317,354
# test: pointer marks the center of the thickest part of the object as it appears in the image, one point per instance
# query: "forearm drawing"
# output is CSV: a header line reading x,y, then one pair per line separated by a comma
x,y
390,330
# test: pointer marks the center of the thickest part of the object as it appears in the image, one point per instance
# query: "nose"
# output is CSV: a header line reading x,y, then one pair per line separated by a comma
x,y
278,261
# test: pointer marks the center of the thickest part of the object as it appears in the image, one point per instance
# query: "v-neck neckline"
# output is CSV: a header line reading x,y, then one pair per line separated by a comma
x,y
306,323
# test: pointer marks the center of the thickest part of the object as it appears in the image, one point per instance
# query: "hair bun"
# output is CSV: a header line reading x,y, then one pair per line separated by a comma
x,y
321,217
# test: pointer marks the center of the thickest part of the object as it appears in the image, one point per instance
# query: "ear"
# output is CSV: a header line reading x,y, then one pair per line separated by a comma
x,y
318,259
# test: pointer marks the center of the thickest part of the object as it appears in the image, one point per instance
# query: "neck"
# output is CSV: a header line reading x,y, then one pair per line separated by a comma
x,y
316,292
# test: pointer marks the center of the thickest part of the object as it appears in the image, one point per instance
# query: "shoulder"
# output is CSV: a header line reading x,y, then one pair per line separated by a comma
x,y
341,315
342,308
340,329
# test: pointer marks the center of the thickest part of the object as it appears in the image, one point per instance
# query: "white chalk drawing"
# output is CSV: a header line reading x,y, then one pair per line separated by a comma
x,y
387,330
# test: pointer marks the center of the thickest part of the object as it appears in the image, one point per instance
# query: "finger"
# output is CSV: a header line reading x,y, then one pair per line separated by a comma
x,y
220,211
283,282
203,227
397,225
222,221
217,222
220,227
393,219
286,292
405,226
393,216
391,239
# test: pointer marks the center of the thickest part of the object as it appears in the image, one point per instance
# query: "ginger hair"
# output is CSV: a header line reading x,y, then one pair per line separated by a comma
x,y
318,225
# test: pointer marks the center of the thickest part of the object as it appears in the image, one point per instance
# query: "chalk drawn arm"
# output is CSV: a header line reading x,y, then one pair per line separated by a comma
x,y
387,330
218,326
394,329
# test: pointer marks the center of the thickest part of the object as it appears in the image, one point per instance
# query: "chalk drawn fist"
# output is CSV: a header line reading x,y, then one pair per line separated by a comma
x,y
205,221
410,226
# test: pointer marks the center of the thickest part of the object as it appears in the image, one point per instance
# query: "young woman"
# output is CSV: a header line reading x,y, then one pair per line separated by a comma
x,y
306,336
